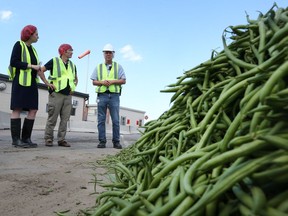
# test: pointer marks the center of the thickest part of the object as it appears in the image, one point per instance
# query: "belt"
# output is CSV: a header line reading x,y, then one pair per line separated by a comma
x,y
108,92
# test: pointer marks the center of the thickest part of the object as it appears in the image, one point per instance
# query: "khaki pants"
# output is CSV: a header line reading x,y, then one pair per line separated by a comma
x,y
58,105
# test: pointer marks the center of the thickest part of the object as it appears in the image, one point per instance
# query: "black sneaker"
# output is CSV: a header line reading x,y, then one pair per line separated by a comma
x,y
101,145
117,145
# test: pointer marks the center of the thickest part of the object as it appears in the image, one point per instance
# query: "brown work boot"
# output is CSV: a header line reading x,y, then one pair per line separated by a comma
x,y
63,143
49,142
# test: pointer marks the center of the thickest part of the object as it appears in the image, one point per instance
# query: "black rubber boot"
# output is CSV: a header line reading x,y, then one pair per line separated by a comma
x,y
27,131
15,127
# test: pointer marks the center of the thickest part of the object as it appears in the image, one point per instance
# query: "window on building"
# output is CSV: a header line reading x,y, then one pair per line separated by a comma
x,y
123,120
73,111
140,122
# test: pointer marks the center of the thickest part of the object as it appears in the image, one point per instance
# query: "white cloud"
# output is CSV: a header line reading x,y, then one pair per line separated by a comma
x,y
5,15
129,54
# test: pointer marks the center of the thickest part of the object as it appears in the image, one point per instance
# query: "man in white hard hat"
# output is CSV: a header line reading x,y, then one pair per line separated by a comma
x,y
108,77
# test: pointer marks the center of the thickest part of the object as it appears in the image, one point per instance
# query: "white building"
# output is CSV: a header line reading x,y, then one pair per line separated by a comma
x,y
83,115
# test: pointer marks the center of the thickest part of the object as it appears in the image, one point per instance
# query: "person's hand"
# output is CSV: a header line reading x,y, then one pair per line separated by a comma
x,y
35,67
106,83
75,82
38,67
51,86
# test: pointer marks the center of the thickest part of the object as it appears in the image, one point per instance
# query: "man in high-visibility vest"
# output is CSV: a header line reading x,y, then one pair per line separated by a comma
x,y
61,84
108,77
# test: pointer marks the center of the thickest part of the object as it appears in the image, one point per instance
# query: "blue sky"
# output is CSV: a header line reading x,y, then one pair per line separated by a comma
x,y
155,40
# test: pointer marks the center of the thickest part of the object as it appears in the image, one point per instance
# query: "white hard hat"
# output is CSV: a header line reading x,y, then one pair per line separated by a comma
x,y
108,47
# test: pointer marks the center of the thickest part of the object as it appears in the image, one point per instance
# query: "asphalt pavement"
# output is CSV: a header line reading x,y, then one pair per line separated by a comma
x,y
77,140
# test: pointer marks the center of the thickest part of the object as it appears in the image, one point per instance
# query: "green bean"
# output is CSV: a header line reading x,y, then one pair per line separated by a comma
x,y
180,143
169,206
200,179
174,186
276,140
270,173
211,208
262,41
181,208
192,131
109,194
208,132
193,121
191,172
163,186
159,202
114,185
239,140
102,209
244,210
174,89
129,210
148,205
226,209
259,200
239,62
256,119
120,202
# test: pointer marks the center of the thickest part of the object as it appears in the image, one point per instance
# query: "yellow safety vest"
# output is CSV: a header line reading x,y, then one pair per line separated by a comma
x,y
102,73
25,75
61,75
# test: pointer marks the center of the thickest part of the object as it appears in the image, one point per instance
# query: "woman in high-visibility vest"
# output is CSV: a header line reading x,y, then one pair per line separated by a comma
x,y
23,69
61,83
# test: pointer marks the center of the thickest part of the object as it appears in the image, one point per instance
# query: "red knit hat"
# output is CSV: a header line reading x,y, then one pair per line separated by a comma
x,y
27,31
63,48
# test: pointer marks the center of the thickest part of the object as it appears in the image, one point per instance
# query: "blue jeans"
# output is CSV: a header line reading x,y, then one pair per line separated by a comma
x,y
112,102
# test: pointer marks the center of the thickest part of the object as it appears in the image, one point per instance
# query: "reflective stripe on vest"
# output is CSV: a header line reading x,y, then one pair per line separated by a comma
x,y
61,75
25,75
102,73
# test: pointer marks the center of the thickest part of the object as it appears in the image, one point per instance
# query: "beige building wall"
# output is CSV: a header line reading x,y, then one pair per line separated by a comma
x,y
130,119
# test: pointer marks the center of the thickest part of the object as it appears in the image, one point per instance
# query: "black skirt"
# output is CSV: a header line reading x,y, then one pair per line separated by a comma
x,y
24,97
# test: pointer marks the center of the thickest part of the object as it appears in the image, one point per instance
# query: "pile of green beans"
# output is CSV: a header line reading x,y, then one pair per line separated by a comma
x,y
222,147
